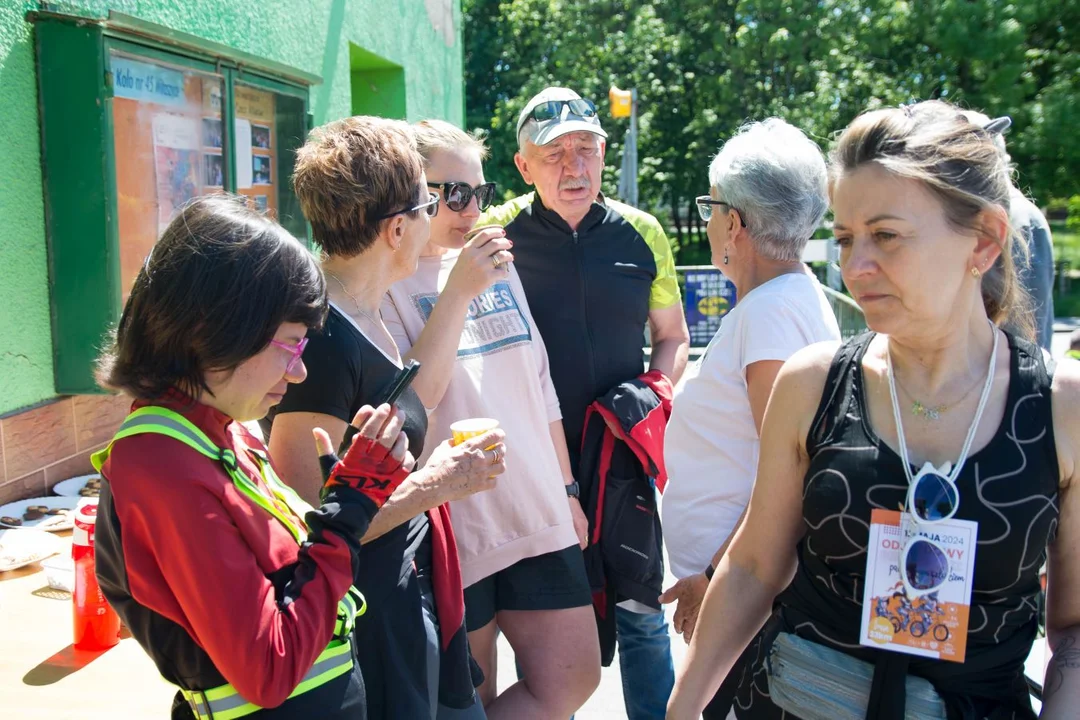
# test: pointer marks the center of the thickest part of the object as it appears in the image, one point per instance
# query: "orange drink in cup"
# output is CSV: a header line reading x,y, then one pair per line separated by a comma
x,y
462,430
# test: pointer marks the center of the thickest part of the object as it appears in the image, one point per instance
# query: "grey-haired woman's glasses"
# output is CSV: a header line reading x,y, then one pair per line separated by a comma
x,y
705,206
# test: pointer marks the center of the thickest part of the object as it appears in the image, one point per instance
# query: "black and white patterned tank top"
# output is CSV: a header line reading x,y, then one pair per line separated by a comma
x,y
1010,488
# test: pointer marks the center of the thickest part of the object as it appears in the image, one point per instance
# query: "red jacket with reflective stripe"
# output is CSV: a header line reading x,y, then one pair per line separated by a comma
x,y
212,586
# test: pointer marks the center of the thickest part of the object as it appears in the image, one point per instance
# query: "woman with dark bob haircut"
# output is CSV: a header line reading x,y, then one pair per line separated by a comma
x,y
239,591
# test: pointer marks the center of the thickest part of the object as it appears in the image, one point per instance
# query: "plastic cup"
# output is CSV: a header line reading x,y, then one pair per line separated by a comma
x,y
462,430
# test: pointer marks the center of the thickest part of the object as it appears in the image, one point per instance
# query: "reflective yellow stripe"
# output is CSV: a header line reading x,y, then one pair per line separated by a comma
x,y
225,703
252,491
346,616
358,597
285,493
333,662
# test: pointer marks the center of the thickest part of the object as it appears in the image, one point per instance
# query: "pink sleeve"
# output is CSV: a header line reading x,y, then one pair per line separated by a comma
x,y
551,399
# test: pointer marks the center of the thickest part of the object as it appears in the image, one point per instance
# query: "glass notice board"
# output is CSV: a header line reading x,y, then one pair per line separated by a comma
x,y
160,121
171,144
160,150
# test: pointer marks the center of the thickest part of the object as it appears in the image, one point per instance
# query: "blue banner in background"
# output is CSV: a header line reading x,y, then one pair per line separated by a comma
x,y
147,83
708,298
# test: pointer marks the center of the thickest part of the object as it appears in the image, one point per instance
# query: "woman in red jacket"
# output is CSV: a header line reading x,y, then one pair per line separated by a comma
x,y
239,591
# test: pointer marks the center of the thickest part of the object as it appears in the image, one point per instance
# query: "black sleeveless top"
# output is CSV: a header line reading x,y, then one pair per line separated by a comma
x,y
346,371
1010,488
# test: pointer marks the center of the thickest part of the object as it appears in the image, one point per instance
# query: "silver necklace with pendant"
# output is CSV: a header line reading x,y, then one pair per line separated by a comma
x,y
933,412
950,472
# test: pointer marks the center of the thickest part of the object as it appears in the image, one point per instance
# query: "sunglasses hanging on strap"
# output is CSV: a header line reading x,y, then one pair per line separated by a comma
x,y
932,495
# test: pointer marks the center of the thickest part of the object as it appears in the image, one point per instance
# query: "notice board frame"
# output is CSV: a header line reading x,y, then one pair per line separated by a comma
x,y
75,103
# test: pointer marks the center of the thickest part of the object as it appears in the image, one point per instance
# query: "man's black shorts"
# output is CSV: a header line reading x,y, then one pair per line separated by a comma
x,y
552,581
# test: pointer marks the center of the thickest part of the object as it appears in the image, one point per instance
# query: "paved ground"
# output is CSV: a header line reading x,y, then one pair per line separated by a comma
x,y
606,703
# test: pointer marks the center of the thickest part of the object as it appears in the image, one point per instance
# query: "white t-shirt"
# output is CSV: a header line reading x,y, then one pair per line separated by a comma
x,y
711,444
501,372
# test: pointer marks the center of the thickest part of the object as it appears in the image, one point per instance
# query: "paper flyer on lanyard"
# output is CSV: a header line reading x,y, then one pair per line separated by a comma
x,y
934,625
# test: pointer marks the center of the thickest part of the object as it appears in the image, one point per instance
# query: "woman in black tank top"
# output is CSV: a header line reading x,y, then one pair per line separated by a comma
x,y
920,197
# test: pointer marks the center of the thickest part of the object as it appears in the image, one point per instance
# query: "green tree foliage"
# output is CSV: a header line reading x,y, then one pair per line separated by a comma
x,y
704,67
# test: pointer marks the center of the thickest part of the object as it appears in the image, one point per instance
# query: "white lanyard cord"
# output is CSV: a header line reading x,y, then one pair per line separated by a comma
x,y
974,423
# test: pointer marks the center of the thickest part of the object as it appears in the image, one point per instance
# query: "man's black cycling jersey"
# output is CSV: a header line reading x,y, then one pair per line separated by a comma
x,y
590,293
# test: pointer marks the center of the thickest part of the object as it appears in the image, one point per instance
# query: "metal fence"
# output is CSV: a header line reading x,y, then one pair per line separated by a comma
x,y
849,316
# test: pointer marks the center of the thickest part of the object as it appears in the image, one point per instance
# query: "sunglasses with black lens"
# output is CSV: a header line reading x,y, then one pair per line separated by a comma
x,y
553,109
459,194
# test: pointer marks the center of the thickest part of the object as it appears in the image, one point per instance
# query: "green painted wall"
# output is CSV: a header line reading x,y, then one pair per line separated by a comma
x,y
378,86
423,37
380,92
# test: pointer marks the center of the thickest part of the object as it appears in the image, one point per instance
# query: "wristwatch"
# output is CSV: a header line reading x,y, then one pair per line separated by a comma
x,y
709,572
573,490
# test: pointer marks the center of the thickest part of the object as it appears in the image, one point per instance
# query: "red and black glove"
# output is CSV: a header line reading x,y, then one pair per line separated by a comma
x,y
368,468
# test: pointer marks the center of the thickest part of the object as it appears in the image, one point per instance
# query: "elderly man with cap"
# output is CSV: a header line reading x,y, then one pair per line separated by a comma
x,y
595,273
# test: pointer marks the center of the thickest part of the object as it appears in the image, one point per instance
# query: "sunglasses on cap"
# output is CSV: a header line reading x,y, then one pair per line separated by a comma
x,y
553,109
458,194
932,498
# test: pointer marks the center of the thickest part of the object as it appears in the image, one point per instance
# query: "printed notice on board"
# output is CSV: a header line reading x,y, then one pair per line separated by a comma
x,y
933,625
148,83
243,154
176,163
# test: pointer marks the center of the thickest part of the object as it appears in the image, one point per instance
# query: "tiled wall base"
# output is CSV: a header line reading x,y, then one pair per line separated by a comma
x,y
53,442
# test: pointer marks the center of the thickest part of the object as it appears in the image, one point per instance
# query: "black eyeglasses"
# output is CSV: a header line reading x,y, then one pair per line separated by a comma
x,y
705,206
431,208
459,194
553,109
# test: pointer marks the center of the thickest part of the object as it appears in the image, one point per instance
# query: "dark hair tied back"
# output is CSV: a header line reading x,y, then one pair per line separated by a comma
x,y
958,161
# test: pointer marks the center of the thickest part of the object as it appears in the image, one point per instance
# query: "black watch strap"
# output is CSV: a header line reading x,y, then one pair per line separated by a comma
x,y
573,490
709,572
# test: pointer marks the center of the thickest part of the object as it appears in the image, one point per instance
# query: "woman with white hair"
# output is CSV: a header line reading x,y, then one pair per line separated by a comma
x,y
768,195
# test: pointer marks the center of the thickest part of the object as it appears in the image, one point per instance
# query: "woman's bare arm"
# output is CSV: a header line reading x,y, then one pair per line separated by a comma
x,y
761,558
1061,687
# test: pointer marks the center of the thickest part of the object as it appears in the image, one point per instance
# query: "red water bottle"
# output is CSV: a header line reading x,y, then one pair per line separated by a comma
x,y
97,626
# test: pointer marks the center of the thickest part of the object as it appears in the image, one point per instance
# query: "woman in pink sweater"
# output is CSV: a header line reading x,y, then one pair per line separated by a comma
x,y
463,315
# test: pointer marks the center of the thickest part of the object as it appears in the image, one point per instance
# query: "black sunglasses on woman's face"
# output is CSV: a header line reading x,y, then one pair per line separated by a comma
x,y
459,194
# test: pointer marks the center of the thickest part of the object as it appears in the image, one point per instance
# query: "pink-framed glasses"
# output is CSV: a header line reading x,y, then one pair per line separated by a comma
x,y
297,350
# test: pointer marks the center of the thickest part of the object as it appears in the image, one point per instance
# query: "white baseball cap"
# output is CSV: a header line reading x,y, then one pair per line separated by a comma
x,y
567,120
